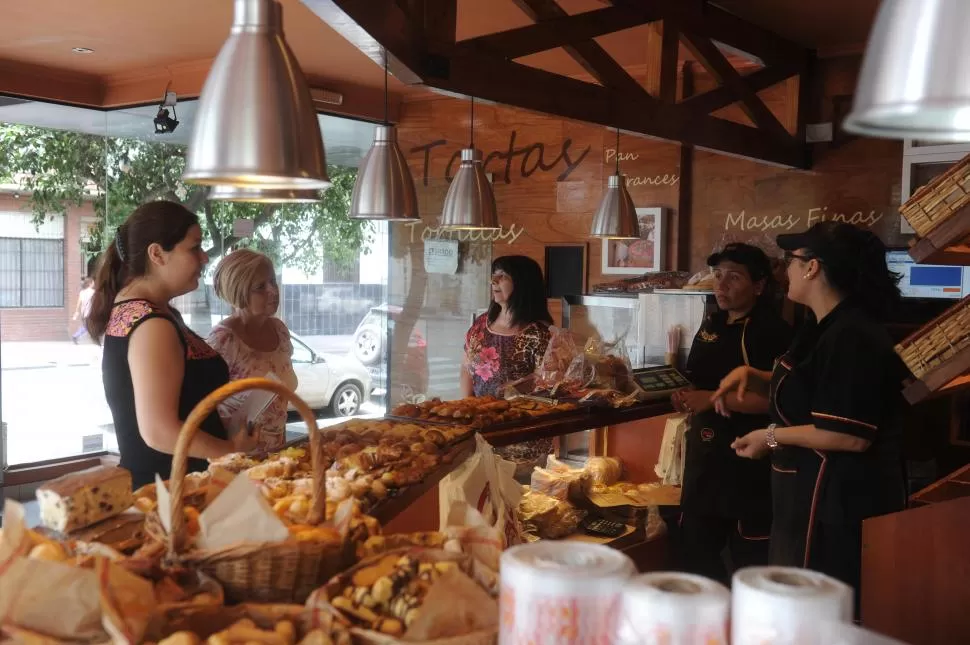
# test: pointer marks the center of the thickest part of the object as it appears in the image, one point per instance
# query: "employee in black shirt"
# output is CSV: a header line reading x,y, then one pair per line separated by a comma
x,y
835,403
727,499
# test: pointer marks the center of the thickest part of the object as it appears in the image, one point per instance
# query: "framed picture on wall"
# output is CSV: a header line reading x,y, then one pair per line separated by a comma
x,y
636,257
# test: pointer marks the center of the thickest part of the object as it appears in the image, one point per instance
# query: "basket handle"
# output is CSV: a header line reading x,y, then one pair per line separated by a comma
x,y
206,407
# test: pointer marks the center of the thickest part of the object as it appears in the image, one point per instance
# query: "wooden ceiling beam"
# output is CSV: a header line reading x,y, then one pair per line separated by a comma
x,y
724,96
503,82
669,61
556,32
437,19
619,101
711,57
385,18
588,53
701,18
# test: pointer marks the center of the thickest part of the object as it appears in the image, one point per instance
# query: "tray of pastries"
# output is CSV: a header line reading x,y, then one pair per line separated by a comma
x,y
371,460
484,412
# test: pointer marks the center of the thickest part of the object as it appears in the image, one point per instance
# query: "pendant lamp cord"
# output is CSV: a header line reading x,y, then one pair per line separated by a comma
x,y
617,151
385,86
471,127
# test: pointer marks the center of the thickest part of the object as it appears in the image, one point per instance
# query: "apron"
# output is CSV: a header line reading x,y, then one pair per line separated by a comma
x,y
716,481
797,476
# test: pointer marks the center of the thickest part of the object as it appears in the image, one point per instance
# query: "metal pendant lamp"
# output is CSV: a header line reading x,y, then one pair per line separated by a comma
x,y
384,189
616,216
470,202
915,78
256,125
263,195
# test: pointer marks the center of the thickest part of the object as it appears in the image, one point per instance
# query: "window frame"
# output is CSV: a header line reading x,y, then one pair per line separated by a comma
x,y
21,289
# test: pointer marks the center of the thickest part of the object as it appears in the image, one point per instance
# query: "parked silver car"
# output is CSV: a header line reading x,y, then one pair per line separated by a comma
x,y
340,383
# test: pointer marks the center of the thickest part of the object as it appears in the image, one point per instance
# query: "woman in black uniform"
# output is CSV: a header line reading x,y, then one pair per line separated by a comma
x,y
835,402
727,499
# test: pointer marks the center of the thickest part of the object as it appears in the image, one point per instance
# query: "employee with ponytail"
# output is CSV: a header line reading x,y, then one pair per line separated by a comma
x,y
835,400
155,369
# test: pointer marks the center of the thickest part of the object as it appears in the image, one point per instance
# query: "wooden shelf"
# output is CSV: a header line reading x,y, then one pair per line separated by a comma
x,y
943,380
582,419
953,486
947,243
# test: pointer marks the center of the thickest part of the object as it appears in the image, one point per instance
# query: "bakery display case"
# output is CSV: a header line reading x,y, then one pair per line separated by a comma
x,y
641,320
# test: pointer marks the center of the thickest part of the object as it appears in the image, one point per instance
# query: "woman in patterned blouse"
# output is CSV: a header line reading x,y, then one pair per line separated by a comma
x,y
252,340
508,342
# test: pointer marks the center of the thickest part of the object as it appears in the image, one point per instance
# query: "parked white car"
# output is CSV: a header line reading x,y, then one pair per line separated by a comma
x,y
340,383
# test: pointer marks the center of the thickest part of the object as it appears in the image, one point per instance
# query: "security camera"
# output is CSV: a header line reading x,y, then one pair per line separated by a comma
x,y
164,124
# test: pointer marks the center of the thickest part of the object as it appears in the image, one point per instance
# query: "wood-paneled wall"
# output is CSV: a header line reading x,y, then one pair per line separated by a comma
x,y
549,174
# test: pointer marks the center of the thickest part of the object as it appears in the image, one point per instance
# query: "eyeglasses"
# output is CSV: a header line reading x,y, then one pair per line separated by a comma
x,y
789,256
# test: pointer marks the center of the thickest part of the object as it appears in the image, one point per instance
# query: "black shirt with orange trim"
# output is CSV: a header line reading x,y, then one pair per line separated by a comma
x,y
842,375
716,481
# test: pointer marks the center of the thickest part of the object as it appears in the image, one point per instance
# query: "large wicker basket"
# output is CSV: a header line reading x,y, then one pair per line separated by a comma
x,y
278,572
933,203
937,341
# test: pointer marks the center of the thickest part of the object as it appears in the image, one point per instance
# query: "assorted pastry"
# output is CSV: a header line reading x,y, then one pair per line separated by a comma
x,y
479,412
387,593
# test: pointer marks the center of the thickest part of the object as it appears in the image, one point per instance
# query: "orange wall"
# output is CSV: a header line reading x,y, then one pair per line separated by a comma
x,y
550,185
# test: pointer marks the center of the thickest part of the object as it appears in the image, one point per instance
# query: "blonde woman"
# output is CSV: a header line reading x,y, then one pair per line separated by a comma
x,y
252,340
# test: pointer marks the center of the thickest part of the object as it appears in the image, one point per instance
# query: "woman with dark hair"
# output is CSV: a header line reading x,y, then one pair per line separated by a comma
x,y
508,342
835,403
155,369
726,500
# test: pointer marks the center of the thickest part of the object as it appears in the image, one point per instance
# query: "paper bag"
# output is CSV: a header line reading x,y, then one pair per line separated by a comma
x,y
486,483
67,602
670,465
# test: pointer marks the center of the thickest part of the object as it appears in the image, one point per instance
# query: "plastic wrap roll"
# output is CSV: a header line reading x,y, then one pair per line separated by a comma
x,y
604,470
671,608
561,593
786,606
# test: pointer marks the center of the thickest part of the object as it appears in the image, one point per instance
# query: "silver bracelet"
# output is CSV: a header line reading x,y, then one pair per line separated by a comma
x,y
770,439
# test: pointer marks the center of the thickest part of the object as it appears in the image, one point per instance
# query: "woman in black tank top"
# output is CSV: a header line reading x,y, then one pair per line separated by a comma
x,y
155,369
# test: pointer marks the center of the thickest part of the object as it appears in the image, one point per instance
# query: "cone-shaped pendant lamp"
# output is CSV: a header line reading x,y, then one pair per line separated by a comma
x,y
263,195
256,125
915,78
384,189
616,216
470,202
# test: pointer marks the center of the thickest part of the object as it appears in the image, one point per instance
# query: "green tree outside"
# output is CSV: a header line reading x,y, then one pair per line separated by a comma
x,y
58,169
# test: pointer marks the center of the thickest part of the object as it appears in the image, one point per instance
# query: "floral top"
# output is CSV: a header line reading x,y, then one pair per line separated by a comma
x,y
246,362
495,360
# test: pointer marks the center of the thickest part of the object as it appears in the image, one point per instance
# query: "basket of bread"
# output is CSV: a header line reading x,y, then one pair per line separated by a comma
x,y
238,539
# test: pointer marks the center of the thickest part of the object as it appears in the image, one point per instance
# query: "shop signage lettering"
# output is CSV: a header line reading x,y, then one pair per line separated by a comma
x,y
787,222
530,158
425,233
641,180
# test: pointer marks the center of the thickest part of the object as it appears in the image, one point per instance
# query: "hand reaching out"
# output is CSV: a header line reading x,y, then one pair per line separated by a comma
x,y
751,445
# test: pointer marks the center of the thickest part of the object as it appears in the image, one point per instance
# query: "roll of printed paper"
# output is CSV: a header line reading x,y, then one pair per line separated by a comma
x,y
671,608
785,606
561,593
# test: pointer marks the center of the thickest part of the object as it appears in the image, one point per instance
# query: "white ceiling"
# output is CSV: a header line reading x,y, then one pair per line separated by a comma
x,y
346,140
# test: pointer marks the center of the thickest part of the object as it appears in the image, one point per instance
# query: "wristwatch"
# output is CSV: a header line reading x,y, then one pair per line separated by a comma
x,y
770,440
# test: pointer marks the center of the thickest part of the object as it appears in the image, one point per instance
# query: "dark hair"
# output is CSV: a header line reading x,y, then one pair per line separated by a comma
x,y
858,269
163,223
754,260
527,304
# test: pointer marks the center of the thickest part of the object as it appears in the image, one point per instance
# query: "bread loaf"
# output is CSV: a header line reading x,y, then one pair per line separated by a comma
x,y
84,498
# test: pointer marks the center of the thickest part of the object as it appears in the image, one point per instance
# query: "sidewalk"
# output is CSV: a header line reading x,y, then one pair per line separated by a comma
x,y
26,355
42,354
